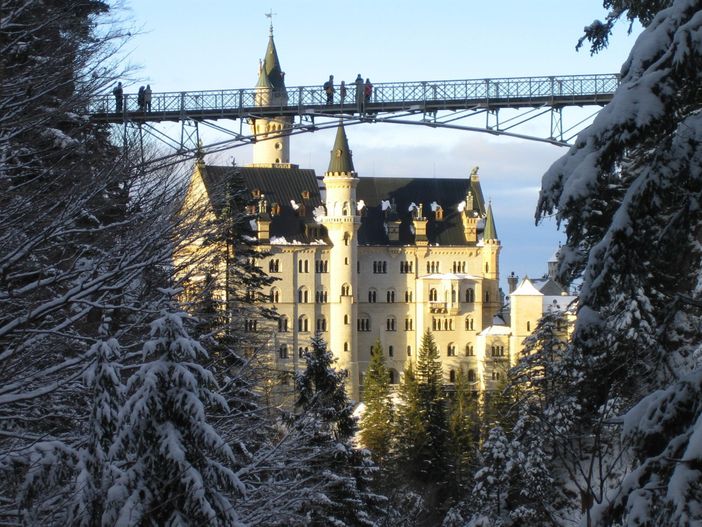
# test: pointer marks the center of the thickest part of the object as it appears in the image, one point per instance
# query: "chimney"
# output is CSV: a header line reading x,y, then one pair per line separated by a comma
x,y
512,280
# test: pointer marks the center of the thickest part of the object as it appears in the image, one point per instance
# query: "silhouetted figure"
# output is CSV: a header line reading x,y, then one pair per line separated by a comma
x,y
119,97
367,90
140,98
147,98
342,91
329,89
359,91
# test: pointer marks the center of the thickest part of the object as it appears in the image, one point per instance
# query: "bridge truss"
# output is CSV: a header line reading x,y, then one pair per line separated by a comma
x,y
500,106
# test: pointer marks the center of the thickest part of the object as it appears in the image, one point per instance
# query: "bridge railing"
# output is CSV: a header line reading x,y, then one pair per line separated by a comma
x,y
516,90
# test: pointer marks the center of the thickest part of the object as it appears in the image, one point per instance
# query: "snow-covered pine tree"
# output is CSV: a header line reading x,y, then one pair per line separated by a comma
x,y
410,431
377,421
175,468
340,476
94,468
628,194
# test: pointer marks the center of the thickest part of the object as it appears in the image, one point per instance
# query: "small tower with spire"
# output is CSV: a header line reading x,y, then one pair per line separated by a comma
x,y
491,271
272,146
342,222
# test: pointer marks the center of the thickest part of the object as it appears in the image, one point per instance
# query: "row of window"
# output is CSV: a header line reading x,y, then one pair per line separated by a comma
x,y
379,266
363,323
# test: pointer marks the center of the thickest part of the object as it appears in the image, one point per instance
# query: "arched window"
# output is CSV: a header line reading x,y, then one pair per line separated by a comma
x,y
470,295
487,267
283,351
469,324
392,375
302,295
346,346
487,296
432,295
390,296
471,376
274,266
451,350
391,351
469,350
347,237
300,352
345,290
321,324
282,323
390,324
345,209
303,266
408,296
302,324
409,351
453,295
372,294
452,376
363,322
346,319
528,326
274,295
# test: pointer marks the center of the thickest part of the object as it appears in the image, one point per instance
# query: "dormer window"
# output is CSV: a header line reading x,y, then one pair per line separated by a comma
x,y
256,193
275,209
439,214
305,194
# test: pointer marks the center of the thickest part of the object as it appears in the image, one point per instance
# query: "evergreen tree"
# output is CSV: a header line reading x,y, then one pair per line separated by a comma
x,y
627,193
377,421
463,434
410,431
341,477
432,404
176,469
94,468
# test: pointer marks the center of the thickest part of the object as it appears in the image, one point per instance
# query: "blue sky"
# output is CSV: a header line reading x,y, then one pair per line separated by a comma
x,y
216,44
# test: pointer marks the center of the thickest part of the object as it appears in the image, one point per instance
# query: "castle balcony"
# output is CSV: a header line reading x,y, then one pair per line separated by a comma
x,y
438,307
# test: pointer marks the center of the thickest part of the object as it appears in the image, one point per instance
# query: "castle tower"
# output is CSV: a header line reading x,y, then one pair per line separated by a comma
x,y
491,257
272,146
526,308
342,222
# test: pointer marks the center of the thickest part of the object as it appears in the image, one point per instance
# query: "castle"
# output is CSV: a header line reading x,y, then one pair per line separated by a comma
x,y
361,259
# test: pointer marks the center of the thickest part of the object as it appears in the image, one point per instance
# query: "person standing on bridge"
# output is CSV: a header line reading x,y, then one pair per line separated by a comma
x,y
119,97
329,89
147,98
367,90
140,98
342,91
359,92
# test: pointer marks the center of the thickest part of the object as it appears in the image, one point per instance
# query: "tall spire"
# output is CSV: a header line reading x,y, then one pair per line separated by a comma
x,y
489,233
271,66
341,155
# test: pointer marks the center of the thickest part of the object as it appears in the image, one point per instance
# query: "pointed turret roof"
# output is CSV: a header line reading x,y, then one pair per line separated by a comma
x,y
271,66
526,288
341,155
490,233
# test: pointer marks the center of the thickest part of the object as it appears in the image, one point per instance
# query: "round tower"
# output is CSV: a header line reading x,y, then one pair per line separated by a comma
x,y
526,308
342,222
491,271
272,144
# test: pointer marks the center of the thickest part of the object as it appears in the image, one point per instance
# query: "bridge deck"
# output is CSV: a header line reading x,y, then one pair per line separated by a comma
x,y
424,96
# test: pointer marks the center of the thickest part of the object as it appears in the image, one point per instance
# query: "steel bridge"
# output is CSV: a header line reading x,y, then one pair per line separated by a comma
x,y
429,103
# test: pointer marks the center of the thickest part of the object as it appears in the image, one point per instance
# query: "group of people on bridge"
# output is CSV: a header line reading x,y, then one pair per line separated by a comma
x,y
364,91
143,98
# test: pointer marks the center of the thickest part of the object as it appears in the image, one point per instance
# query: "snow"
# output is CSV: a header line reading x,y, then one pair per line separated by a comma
x,y
385,205
319,213
434,206
360,205
294,204
461,206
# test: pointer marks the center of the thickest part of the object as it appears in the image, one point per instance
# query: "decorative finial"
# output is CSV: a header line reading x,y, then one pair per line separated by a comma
x,y
270,15
474,171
